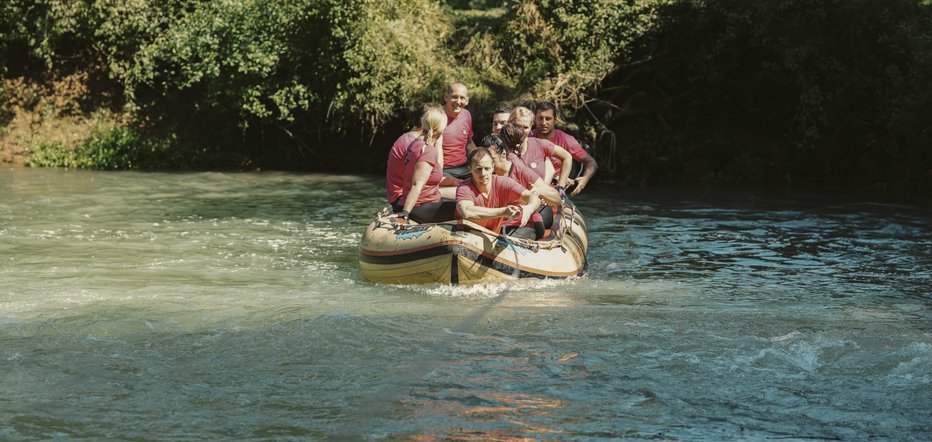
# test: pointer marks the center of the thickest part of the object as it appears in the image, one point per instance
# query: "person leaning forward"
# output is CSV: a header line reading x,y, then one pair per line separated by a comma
x,y
516,170
536,153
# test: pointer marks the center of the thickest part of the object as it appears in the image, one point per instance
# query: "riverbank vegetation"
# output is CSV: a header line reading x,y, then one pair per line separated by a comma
x,y
663,91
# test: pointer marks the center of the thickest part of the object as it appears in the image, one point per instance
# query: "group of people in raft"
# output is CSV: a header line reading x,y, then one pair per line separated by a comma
x,y
509,183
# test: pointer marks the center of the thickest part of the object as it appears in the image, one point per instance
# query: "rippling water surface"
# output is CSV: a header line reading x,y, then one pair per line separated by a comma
x,y
229,306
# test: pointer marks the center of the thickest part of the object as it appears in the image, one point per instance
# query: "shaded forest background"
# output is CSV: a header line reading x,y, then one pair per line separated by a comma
x,y
663,91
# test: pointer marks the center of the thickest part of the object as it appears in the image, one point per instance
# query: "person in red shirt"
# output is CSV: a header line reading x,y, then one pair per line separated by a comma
x,y
457,136
395,169
499,119
421,200
522,173
517,170
535,152
488,199
545,115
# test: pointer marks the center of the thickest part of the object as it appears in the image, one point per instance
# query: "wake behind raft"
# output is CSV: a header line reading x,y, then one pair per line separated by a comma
x,y
462,252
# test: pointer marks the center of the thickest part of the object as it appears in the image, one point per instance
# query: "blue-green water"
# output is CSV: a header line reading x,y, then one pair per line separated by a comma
x,y
229,306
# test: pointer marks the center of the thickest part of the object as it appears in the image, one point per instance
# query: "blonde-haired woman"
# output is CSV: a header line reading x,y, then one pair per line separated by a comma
x,y
421,199
536,152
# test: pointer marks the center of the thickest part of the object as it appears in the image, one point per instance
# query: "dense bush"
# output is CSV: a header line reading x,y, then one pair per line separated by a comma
x,y
562,48
557,50
274,60
709,90
111,148
123,148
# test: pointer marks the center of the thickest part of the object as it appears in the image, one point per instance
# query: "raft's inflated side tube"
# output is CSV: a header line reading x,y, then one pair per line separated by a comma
x,y
461,252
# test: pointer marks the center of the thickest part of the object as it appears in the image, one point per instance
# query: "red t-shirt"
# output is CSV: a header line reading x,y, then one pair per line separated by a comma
x,y
504,192
525,177
395,171
455,138
522,174
420,152
538,151
567,142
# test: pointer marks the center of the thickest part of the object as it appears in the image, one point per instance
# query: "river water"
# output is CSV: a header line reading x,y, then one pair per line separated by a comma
x,y
229,306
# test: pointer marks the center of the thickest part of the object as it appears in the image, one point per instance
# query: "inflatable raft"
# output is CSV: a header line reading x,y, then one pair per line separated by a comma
x,y
461,252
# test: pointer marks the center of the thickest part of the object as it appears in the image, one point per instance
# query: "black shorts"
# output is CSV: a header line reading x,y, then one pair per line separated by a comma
x,y
436,212
546,212
458,172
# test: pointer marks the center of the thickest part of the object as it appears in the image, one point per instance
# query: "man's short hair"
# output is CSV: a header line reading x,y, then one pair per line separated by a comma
x,y
546,105
449,90
477,155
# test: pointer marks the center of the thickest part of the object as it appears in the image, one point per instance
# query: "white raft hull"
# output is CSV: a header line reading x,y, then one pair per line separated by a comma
x,y
461,252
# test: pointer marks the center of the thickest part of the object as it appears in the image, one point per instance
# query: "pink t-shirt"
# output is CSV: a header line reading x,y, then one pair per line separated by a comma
x,y
525,177
395,171
420,152
537,152
522,174
505,191
567,142
455,138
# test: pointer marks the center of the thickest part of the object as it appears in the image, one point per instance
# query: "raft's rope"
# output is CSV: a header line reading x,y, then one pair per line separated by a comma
x,y
566,205
384,212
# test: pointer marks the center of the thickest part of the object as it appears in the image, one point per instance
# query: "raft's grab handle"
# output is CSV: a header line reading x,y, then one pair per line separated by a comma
x,y
567,204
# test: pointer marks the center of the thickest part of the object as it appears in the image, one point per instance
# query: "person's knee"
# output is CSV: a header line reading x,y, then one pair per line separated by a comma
x,y
546,212
523,233
458,172
539,230
436,212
